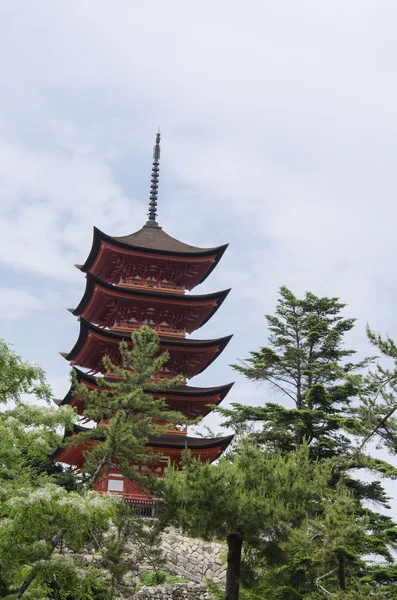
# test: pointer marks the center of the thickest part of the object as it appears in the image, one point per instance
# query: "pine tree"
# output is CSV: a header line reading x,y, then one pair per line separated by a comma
x,y
306,363
126,412
321,390
379,408
246,500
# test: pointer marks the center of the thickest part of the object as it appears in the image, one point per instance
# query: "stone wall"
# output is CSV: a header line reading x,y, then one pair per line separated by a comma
x,y
190,558
193,558
175,591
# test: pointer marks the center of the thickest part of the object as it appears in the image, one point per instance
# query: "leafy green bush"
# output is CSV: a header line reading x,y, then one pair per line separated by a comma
x,y
155,578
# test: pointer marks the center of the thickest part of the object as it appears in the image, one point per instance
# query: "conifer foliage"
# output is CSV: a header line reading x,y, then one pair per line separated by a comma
x,y
324,396
307,365
253,500
126,413
379,410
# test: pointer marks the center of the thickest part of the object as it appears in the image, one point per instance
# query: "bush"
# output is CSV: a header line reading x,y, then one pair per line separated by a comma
x,y
155,578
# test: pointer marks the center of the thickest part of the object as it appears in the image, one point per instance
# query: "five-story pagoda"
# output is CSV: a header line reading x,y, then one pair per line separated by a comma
x,y
139,279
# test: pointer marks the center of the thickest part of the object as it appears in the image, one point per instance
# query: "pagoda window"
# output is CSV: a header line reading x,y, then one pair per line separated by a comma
x,y
115,485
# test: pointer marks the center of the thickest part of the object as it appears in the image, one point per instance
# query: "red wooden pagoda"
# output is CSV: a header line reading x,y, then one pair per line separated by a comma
x,y
140,279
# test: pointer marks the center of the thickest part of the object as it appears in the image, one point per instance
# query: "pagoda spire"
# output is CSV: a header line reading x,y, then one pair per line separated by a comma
x,y
152,214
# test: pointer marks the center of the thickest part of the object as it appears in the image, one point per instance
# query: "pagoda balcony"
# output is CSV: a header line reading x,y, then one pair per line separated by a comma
x,y
150,284
177,430
193,402
162,328
188,357
108,305
168,447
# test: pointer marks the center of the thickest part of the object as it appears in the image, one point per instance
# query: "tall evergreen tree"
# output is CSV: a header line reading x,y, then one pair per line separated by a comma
x,y
320,388
379,408
126,412
308,366
246,500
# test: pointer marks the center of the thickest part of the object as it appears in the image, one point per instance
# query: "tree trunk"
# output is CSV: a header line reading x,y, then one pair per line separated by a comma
x,y
341,572
234,544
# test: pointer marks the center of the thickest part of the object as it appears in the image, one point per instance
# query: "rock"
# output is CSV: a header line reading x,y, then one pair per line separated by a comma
x,y
88,557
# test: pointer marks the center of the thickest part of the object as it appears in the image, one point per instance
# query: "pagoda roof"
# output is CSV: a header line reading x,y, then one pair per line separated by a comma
x,y
193,311
152,240
176,390
192,401
187,356
167,440
174,444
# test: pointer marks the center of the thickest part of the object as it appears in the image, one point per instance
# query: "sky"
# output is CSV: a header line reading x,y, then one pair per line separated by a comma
x,y
278,122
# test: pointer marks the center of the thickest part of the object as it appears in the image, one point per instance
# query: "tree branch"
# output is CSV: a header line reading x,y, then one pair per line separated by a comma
x,y
323,588
54,542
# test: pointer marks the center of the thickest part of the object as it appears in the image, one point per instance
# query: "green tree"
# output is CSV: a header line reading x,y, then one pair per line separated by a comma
x,y
127,417
33,508
252,499
33,519
321,391
18,377
378,411
307,365
126,412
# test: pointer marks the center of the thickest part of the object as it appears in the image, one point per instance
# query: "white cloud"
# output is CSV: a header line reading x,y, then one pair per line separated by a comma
x,y
15,304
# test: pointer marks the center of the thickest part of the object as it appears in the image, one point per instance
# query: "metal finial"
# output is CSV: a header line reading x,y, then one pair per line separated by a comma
x,y
154,184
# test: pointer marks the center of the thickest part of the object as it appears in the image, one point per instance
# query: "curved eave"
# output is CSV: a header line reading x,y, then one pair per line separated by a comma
x,y
95,282
99,236
116,336
181,442
195,392
172,392
167,441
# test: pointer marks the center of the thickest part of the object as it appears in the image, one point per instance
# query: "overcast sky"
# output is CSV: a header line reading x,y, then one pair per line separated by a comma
x,y
279,136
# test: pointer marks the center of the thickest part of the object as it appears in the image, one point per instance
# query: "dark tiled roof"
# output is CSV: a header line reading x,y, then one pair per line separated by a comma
x,y
177,390
179,441
165,340
167,440
154,238
93,281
